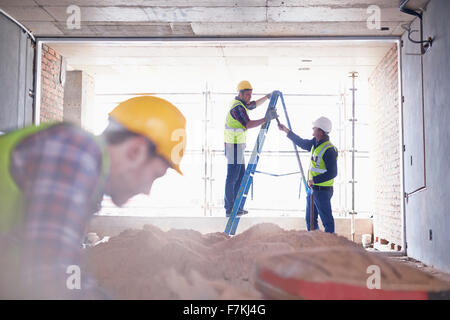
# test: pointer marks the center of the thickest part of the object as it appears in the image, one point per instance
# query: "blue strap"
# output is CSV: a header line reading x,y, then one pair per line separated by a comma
x,y
277,175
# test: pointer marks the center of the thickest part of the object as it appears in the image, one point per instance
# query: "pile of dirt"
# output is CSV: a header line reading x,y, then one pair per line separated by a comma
x,y
185,264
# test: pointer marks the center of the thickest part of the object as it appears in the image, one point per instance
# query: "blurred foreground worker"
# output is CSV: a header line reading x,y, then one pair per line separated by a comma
x,y
321,173
236,124
52,180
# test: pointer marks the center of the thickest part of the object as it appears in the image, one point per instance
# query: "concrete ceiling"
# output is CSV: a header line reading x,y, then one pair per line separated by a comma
x,y
213,18
293,66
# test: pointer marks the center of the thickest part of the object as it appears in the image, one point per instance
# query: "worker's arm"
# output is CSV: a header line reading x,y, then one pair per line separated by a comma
x,y
302,143
253,104
330,160
270,115
255,123
239,114
57,170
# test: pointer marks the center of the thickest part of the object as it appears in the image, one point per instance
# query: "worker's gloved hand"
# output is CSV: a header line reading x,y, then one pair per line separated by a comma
x,y
271,114
282,127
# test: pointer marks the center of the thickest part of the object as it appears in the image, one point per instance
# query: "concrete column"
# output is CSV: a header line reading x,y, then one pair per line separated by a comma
x,y
79,95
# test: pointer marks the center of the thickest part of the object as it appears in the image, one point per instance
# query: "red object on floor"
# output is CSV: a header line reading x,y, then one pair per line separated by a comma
x,y
335,291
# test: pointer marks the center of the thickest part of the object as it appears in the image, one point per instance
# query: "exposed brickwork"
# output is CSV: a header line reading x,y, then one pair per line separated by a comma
x,y
386,153
52,92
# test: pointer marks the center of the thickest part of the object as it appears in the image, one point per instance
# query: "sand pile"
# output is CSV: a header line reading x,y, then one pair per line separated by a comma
x,y
153,264
185,264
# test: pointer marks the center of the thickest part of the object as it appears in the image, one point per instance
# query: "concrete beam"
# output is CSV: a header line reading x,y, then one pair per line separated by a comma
x,y
327,14
29,13
286,29
343,3
158,14
153,3
123,29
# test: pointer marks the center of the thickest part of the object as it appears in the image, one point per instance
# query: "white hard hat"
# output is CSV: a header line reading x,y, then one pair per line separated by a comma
x,y
323,123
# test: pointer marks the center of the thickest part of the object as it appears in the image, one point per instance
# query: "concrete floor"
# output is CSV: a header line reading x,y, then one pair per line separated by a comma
x,y
399,257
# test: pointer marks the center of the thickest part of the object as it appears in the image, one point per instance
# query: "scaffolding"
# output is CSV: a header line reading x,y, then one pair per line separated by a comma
x,y
212,107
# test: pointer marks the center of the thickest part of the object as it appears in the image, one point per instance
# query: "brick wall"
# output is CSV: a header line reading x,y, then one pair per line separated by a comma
x,y
52,92
386,153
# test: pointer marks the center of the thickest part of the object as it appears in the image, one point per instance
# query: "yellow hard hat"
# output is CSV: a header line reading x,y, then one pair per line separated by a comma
x,y
244,85
158,120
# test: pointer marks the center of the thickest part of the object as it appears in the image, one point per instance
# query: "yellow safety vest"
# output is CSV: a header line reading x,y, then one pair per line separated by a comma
x,y
235,132
11,197
11,209
317,165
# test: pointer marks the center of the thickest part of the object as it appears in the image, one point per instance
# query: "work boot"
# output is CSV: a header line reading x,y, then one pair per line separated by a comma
x,y
241,212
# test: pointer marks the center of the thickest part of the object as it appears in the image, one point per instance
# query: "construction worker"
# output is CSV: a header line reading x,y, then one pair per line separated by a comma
x,y
236,124
53,178
322,171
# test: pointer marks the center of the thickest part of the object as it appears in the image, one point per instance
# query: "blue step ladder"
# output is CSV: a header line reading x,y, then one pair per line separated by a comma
x,y
247,180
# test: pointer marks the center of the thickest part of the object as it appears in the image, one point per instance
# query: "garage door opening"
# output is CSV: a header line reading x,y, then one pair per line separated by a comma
x,y
82,80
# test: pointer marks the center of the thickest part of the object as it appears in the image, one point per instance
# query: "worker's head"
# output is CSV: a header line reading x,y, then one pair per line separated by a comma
x,y
321,128
245,90
146,136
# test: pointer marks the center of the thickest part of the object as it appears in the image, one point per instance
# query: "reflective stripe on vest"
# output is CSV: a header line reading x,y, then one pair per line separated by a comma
x,y
317,165
11,198
235,132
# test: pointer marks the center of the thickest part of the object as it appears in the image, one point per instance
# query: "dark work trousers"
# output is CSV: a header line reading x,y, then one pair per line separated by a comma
x,y
235,172
322,208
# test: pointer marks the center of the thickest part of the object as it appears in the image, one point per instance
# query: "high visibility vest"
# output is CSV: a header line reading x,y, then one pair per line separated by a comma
x,y
12,211
235,132
317,165
11,197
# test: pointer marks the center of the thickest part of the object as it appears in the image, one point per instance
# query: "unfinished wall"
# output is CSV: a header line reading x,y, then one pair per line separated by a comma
x,y
52,92
384,100
428,210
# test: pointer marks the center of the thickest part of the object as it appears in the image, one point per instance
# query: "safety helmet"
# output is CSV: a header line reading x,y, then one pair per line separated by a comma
x,y
158,120
244,85
323,123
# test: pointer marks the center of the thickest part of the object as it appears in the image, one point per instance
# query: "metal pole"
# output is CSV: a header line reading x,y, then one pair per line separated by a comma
x,y
211,155
353,75
205,152
341,185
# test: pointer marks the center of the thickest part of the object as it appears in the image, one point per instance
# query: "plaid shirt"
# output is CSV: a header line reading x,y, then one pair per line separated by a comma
x,y
58,170
240,114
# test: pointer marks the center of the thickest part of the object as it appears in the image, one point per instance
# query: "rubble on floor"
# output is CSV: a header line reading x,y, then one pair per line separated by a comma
x,y
185,264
